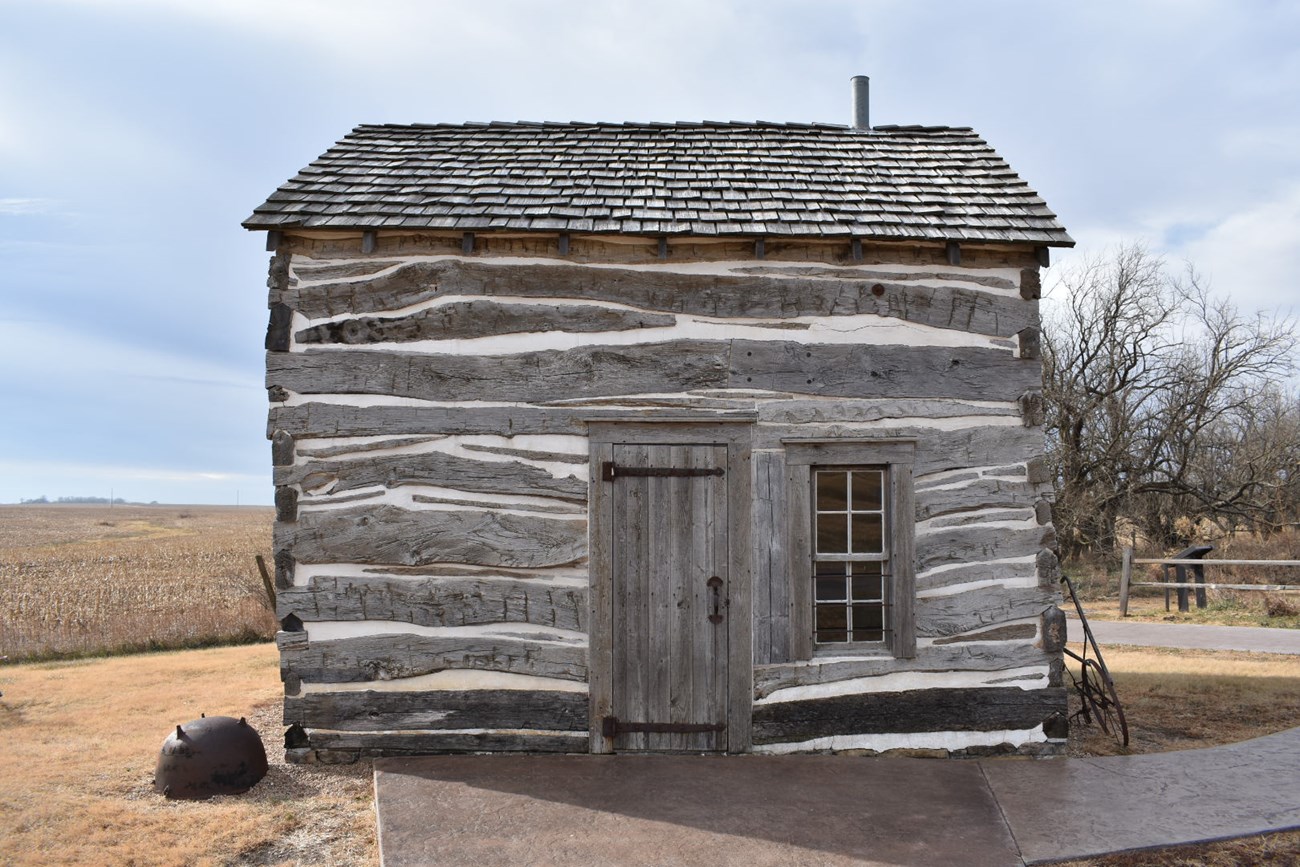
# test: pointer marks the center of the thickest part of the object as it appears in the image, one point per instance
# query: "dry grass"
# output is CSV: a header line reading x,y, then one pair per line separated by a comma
x,y
81,739
1267,850
79,580
1187,699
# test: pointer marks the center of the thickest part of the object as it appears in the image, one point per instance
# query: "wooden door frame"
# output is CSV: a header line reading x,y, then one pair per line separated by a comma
x,y
735,433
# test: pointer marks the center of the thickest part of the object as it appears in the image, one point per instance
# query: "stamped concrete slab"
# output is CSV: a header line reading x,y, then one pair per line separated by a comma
x,y
1075,808
1256,639
747,811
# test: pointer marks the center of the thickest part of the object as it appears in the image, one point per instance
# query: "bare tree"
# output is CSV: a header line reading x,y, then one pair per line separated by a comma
x,y
1151,384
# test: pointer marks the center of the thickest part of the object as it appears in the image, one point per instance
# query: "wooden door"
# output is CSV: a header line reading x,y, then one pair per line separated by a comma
x,y
669,591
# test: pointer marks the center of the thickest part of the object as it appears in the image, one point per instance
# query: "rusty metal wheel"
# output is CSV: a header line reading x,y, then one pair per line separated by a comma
x,y
1101,702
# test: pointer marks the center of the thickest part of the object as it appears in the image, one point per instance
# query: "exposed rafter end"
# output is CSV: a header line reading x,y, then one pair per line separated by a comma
x,y
467,243
760,249
564,243
273,239
856,247
663,248
1044,256
368,240
954,253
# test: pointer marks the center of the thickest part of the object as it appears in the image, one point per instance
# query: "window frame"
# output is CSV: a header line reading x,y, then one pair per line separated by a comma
x,y
896,456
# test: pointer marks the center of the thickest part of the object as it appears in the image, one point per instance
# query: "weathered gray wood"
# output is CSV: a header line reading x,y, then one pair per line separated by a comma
x,y
282,454
420,743
278,279
745,293
1040,472
798,488
872,275
468,319
310,270
601,636
286,503
273,238
383,534
386,710
1033,409
1054,630
1030,343
325,499
529,376
972,572
869,370
917,710
981,445
1031,285
529,454
438,601
557,508
284,567
368,240
361,448
959,613
977,543
953,251
998,633
1043,511
839,411
903,559
962,657
432,468
278,328
332,420
1048,567
389,657
974,496
736,555
770,561
980,516
467,243
1044,256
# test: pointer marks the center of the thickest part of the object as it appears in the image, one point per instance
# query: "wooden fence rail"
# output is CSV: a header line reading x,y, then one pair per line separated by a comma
x,y
1126,578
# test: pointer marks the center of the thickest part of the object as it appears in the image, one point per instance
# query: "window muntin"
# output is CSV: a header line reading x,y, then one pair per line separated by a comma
x,y
851,558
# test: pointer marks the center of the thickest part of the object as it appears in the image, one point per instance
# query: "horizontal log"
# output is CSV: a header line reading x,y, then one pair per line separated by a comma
x,y
393,656
529,454
372,446
958,613
419,743
971,572
437,601
916,710
871,370
432,468
770,678
937,451
383,710
978,543
470,319
857,411
998,633
875,275
383,534
975,495
673,366
308,270
716,295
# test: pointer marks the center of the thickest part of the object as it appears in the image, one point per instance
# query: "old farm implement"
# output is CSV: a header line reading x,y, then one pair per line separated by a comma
x,y
1098,700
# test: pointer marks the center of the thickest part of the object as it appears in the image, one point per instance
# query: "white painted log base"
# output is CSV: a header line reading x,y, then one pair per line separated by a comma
x,y
430,416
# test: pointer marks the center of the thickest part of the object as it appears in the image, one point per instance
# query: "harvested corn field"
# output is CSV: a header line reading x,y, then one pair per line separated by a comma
x,y
80,580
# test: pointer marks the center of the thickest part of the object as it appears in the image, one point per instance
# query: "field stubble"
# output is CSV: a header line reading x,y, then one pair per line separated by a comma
x,y
85,580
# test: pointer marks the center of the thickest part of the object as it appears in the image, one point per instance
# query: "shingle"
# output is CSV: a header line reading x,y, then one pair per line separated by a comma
x,y
798,180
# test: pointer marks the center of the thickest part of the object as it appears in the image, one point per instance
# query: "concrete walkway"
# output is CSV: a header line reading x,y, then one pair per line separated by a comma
x,y
753,811
1257,639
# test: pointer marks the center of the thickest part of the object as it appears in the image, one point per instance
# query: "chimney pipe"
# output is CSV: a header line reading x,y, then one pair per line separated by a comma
x,y
861,102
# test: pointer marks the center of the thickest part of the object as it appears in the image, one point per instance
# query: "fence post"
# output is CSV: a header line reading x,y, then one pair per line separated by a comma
x,y
1125,576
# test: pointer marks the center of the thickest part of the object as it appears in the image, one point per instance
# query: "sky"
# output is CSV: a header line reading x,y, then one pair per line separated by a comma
x,y
136,135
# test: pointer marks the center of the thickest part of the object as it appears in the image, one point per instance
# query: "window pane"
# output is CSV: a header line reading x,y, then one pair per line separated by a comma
x,y
832,492
832,623
868,583
830,588
832,534
868,617
868,491
868,534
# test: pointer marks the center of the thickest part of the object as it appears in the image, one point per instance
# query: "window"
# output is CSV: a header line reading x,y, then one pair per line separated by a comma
x,y
851,551
850,556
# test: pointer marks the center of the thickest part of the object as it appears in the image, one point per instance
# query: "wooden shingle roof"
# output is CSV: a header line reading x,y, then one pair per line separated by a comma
x,y
712,179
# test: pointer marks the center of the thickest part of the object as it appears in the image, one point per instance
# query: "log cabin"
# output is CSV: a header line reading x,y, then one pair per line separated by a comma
x,y
661,437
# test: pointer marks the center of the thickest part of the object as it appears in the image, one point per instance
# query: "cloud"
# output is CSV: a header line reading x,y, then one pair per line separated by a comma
x,y
23,207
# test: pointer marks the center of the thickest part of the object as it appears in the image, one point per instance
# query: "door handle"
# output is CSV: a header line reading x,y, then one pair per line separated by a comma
x,y
715,584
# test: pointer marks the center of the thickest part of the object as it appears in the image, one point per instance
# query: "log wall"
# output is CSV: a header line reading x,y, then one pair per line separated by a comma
x,y
428,418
